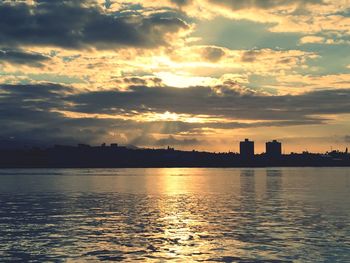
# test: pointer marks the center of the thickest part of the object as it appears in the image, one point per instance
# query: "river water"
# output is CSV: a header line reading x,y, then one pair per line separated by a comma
x,y
175,214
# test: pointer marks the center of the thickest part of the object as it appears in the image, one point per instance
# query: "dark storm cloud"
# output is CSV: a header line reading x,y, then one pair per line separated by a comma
x,y
262,4
45,91
195,100
204,100
29,106
78,24
14,56
27,114
32,111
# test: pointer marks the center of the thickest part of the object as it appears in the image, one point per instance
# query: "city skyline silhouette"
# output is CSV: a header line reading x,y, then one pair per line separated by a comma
x,y
113,155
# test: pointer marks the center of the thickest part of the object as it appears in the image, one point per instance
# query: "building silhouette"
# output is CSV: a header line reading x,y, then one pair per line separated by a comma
x,y
273,149
246,148
115,156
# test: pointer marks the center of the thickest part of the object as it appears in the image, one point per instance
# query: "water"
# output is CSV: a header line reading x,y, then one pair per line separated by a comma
x,y
181,215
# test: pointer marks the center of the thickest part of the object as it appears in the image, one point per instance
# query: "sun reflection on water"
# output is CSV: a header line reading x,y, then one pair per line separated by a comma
x,y
181,215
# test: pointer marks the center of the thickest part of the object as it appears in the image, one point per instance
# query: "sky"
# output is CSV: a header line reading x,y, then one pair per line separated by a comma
x,y
191,74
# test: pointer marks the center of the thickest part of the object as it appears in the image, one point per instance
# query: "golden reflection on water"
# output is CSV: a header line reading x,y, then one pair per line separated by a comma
x,y
177,214
187,212
192,227
181,224
173,181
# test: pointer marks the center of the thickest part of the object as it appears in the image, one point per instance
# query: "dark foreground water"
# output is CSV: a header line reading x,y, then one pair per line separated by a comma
x,y
183,215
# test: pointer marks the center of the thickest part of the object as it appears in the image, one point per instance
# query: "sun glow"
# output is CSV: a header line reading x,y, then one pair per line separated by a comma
x,y
183,80
168,116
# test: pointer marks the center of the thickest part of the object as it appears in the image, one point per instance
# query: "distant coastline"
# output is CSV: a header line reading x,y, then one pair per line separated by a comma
x,y
114,156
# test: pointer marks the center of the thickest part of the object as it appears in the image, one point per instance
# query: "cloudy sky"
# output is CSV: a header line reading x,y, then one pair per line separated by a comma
x,y
192,74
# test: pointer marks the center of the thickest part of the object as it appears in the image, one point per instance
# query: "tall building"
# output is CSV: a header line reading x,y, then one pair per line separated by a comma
x,y
273,149
246,148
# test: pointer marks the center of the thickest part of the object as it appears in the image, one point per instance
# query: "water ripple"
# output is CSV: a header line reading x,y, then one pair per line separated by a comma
x,y
255,218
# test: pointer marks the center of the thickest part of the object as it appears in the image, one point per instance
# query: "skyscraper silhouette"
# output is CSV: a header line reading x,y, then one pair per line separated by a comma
x,y
273,149
246,148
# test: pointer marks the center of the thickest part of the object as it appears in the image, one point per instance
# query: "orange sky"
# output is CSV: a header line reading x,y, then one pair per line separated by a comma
x,y
190,74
